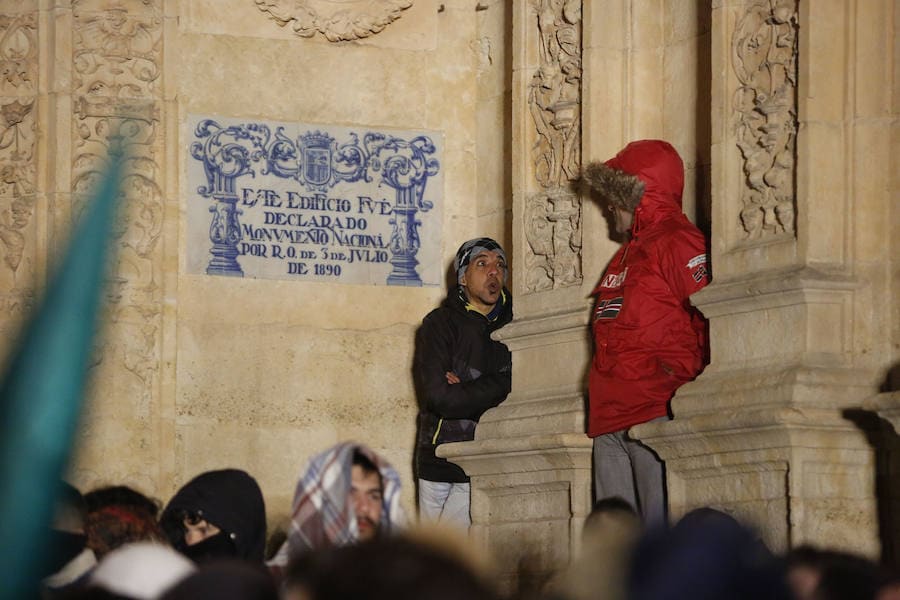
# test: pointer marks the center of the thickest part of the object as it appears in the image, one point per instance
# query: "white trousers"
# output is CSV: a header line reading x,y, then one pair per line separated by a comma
x,y
444,502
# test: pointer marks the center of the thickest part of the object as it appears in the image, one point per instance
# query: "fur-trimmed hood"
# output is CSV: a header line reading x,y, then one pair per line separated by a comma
x,y
646,177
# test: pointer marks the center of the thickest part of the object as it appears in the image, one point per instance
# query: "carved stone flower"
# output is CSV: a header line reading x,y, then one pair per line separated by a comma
x,y
337,20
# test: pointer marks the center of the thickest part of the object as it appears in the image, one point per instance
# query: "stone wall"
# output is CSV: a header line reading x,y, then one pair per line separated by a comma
x,y
198,372
792,160
800,308
587,77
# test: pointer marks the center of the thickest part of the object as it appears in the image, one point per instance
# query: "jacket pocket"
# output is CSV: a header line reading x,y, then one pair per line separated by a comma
x,y
453,430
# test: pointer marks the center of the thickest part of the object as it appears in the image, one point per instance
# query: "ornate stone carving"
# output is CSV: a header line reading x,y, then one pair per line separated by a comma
x,y
117,53
554,95
764,48
18,173
337,20
553,232
116,101
116,104
15,306
18,54
553,216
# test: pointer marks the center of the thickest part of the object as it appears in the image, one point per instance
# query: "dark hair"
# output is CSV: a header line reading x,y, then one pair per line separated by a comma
x,y
611,505
707,554
118,515
394,568
225,579
121,495
365,463
842,575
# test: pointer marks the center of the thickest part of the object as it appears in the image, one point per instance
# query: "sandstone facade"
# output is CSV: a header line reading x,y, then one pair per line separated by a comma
x,y
784,111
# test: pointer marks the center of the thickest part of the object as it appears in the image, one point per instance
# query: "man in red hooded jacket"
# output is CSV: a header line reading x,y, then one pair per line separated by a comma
x,y
648,339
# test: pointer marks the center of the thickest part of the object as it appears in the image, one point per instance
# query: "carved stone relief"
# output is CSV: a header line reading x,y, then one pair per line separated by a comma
x,y
116,79
18,100
764,49
18,53
553,232
553,216
337,20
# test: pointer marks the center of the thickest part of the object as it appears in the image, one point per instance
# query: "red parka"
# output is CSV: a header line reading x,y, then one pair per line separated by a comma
x,y
648,338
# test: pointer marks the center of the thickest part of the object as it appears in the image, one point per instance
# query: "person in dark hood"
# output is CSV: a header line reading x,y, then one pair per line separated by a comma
x,y
218,514
648,338
707,555
460,372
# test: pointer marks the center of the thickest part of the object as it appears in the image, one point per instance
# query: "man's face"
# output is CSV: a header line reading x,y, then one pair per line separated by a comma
x,y
484,279
624,219
365,493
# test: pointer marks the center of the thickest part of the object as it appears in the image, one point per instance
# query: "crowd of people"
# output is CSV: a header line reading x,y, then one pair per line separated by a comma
x,y
349,536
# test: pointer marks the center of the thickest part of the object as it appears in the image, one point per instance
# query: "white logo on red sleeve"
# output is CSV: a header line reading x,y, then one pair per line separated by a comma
x,y
697,267
700,259
614,280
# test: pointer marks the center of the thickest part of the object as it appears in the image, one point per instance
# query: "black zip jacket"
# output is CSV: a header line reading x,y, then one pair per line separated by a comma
x,y
454,338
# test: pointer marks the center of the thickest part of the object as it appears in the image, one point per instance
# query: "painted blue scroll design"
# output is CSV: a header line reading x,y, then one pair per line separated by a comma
x,y
227,153
404,167
318,162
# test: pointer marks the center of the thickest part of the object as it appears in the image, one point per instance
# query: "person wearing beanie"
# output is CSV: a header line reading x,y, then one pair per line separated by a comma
x,y
648,338
460,372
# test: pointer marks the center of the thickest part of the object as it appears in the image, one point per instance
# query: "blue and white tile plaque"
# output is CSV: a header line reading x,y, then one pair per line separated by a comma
x,y
313,202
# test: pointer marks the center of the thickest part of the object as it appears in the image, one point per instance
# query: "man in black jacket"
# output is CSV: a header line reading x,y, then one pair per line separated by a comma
x,y
460,372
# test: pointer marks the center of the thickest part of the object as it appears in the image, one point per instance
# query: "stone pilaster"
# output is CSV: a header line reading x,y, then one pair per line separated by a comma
x,y
773,430
530,463
530,460
21,267
111,95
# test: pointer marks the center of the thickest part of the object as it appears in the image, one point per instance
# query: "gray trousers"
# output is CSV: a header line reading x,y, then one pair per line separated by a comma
x,y
446,502
627,468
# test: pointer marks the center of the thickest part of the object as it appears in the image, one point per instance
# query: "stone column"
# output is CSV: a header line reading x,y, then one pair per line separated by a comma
x,y
530,460
78,77
21,261
799,306
104,63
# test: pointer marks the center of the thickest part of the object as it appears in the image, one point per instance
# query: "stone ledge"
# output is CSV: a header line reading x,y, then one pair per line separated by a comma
x,y
796,386
750,430
520,454
529,414
544,330
770,289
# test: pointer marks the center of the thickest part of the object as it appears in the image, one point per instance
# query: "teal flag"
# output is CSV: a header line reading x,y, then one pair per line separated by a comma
x,y
42,391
